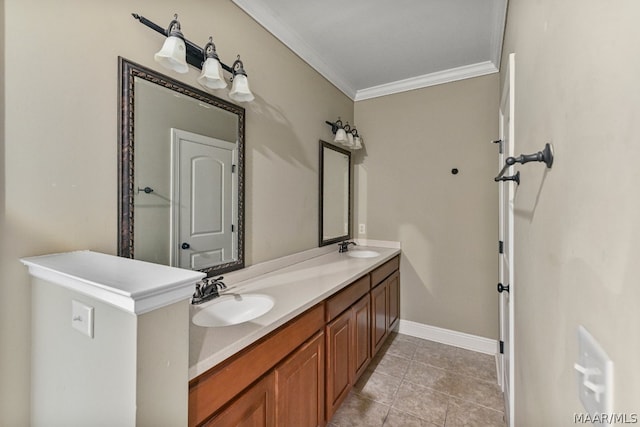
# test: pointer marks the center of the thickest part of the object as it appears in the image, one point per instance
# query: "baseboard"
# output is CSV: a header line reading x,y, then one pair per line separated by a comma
x,y
449,337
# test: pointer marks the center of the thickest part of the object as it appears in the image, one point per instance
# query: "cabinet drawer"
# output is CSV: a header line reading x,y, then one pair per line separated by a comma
x,y
384,271
346,297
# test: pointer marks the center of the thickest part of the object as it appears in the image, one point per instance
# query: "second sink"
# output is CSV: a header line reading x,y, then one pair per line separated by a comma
x,y
233,309
363,253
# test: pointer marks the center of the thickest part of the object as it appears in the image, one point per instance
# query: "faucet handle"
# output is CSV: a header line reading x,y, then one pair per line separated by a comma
x,y
217,282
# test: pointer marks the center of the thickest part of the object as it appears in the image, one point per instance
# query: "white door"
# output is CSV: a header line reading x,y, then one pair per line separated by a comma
x,y
202,215
506,196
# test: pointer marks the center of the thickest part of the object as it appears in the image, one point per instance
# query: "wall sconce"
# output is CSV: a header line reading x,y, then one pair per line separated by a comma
x,y
345,134
177,53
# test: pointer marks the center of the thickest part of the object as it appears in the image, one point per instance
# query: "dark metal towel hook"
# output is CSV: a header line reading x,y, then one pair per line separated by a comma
x,y
544,156
515,178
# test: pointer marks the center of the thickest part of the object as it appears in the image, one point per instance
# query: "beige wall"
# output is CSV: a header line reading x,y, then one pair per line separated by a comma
x,y
577,225
67,387
61,141
447,223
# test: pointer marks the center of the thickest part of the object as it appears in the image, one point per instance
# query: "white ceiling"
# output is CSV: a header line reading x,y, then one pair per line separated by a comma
x,y
370,48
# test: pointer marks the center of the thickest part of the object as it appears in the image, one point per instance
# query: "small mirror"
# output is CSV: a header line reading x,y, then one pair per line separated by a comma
x,y
181,174
335,194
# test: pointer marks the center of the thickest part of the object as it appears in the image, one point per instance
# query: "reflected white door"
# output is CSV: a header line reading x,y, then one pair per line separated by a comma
x,y
202,195
506,196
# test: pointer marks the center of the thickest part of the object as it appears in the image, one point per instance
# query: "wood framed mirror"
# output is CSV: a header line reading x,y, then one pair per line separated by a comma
x,y
181,174
335,194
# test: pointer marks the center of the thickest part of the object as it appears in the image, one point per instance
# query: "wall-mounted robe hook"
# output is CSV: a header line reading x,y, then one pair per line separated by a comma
x,y
145,189
544,156
515,178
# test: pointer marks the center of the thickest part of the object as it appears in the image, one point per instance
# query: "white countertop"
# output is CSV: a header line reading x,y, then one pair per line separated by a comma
x,y
131,285
294,288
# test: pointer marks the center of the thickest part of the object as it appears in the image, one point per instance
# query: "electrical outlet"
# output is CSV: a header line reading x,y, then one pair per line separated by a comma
x,y
362,228
82,318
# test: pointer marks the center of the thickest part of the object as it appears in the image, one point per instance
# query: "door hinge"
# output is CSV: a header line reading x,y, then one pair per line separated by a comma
x,y
233,168
500,247
232,228
501,347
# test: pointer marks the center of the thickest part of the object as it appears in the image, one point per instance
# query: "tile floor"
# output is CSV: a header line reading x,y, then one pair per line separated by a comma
x,y
414,382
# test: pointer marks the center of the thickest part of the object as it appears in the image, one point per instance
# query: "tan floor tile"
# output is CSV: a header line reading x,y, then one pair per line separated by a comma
x,y
429,376
436,354
390,364
399,347
471,363
378,387
421,402
471,389
356,411
402,419
467,414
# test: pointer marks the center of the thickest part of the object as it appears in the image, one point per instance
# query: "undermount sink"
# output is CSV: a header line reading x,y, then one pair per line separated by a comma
x,y
363,254
233,309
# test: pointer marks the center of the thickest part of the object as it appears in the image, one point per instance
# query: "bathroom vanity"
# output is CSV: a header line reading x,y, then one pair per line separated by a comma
x,y
114,340
295,364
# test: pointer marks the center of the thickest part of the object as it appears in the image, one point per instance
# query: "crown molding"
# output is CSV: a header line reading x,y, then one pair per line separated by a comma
x,y
289,38
265,17
426,80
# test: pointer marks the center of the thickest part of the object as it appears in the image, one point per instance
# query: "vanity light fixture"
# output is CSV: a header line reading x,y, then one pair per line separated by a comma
x,y
345,134
212,76
177,53
173,52
240,86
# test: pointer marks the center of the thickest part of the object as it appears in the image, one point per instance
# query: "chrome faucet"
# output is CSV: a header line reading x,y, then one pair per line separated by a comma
x,y
344,246
207,289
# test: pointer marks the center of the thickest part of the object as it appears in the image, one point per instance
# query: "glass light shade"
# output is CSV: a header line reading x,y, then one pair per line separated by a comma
x,y
211,76
349,142
240,89
357,143
341,136
173,55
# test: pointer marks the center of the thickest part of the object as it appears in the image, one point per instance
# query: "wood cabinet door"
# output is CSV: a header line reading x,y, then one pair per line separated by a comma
x,y
339,349
379,313
393,285
254,408
300,386
361,312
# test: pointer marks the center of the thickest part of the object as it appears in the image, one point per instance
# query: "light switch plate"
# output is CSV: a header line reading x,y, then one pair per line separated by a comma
x,y
82,318
595,374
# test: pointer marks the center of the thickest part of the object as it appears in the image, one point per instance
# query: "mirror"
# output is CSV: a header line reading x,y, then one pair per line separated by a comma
x,y
335,194
181,173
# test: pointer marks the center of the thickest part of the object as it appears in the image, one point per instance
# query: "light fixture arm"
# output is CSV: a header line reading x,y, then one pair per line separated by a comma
x,y
195,54
209,50
238,67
